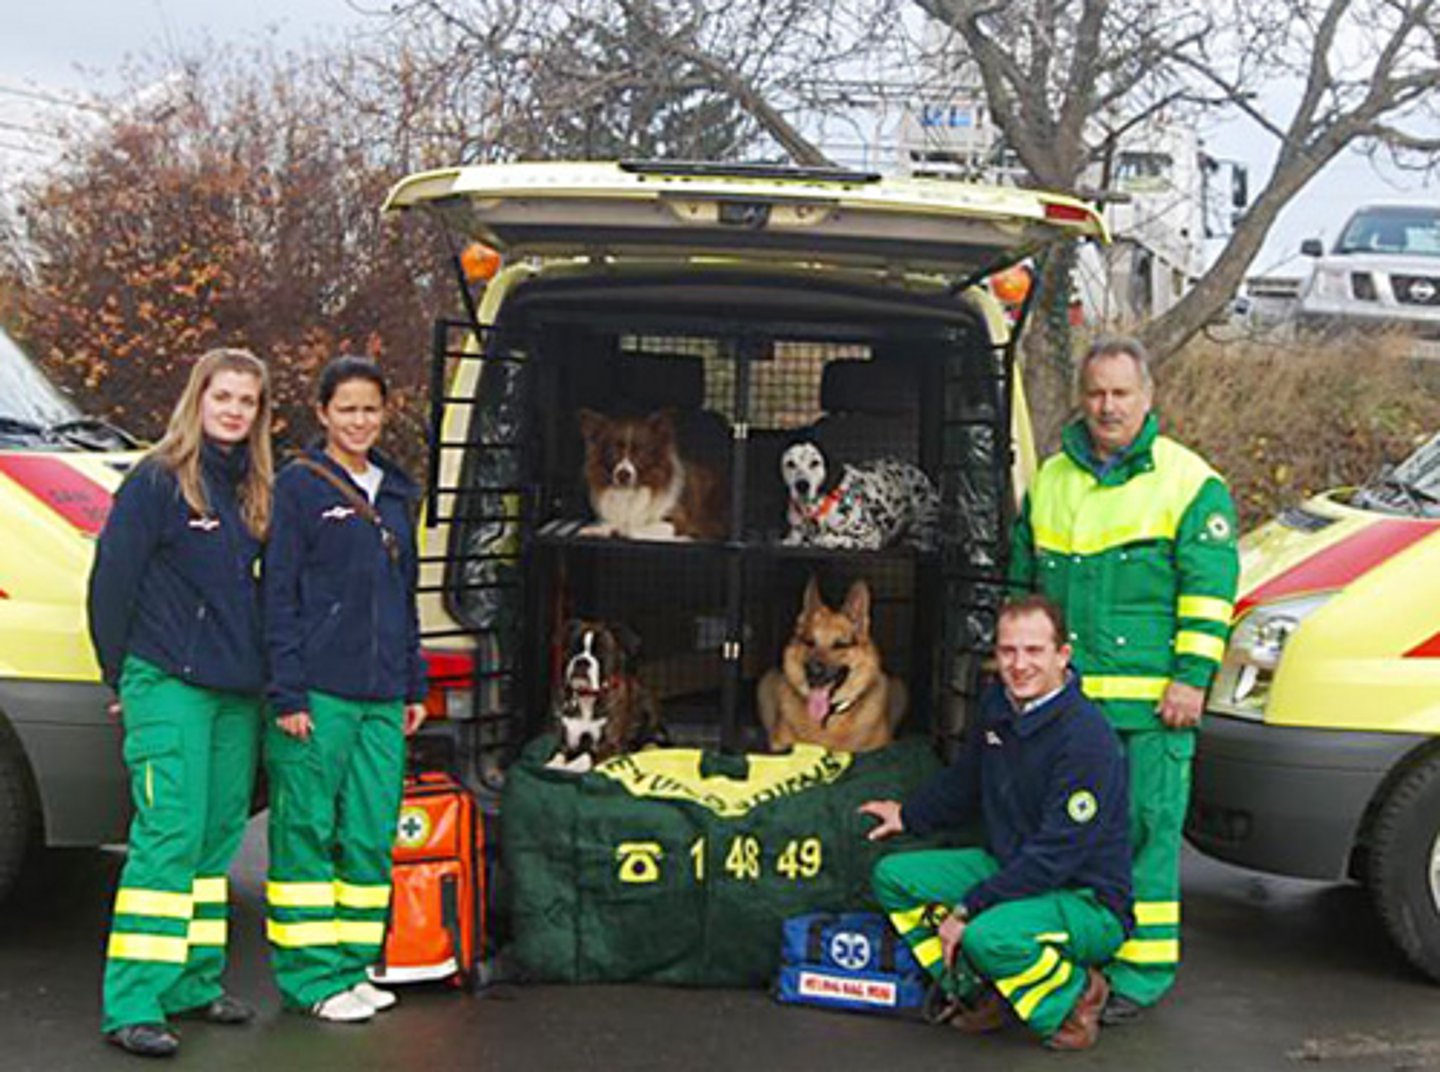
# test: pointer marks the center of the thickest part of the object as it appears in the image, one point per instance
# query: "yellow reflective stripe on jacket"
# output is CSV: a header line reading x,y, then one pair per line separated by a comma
x,y
1025,1007
213,890
909,919
1043,966
152,947
300,894
298,935
360,932
1053,937
1121,687
1156,913
1150,951
1148,506
163,904
211,932
1189,642
1206,608
361,896
928,951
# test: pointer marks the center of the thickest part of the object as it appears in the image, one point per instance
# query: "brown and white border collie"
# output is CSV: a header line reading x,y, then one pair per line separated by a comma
x,y
641,488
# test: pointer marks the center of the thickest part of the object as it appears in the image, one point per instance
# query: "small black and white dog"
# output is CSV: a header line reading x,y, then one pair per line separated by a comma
x,y
873,505
599,707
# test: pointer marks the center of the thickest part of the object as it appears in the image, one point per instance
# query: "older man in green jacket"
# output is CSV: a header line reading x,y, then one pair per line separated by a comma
x,y
1134,536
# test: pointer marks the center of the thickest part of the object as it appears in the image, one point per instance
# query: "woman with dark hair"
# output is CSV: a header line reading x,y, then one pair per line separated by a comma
x,y
175,620
346,687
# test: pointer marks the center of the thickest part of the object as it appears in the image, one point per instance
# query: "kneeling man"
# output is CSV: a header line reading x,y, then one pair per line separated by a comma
x,y
1023,922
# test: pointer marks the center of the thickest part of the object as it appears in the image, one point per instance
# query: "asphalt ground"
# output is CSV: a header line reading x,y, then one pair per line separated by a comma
x,y
1277,975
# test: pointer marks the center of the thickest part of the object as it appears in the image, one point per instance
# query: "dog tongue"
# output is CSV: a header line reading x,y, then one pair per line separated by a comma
x,y
818,704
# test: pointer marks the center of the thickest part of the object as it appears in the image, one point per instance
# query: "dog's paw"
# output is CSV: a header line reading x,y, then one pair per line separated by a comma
x,y
599,528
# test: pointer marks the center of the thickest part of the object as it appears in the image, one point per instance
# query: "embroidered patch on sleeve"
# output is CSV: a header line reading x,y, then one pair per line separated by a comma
x,y
1219,527
1081,806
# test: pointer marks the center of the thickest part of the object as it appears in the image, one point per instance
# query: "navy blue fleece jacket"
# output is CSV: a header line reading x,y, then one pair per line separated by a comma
x,y
1050,787
339,609
175,588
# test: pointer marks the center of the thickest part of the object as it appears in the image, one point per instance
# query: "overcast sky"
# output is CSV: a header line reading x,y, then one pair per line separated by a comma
x,y
51,44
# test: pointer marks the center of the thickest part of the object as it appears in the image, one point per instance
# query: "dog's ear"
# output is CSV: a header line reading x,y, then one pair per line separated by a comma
x,y
662,422
574,629
812,601
629,642
591,423
857,608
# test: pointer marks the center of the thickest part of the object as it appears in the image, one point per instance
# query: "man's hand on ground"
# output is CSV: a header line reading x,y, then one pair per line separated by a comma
x,y
1182,705
888,812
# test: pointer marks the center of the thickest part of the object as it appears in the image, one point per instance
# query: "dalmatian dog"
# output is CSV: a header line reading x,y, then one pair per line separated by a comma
x,y
872,506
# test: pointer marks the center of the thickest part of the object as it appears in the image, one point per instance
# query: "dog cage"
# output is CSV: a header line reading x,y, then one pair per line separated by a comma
x,y
509,495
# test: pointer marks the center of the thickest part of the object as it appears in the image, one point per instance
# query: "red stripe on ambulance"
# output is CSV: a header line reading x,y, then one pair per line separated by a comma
x,y
1426,649
1336,566
71,494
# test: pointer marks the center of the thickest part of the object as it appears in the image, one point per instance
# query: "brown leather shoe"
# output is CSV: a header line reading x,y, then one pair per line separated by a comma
x,y
1082,1027
985,1015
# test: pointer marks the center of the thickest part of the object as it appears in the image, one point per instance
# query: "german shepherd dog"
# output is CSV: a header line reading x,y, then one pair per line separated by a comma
x,y
599,707
830,688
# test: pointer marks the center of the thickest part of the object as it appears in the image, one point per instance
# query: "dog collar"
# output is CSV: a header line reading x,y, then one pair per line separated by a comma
x,y
825,505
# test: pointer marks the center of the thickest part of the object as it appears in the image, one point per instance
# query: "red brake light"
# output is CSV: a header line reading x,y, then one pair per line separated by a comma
x,y
1054,210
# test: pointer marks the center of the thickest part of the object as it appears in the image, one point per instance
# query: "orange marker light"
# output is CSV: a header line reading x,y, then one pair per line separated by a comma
x,y
479,262
1012,285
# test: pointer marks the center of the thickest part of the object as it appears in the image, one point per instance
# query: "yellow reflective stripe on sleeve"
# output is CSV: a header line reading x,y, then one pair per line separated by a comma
x,y
1157,913
149,784
297,935
300,894
211,890
1025,1007
1207,608
909,919
1150,951
1054,937
928,952
1201,644
211,932
360,932
152,947
159,903
361,896
1043,966
1115,687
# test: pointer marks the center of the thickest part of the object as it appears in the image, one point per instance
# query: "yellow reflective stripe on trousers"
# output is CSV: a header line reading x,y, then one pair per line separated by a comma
x,y
1043,966
1206,608
1053,937
909,919
298,935
1150,951
162,904
210,932
361,896
1188,642
1117,687
360,932
1025,1007
1157,913
152,947
214,890
928,952
300,894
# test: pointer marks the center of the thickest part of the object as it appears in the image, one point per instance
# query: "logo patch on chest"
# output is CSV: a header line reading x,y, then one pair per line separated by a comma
x,y
205,524
338,513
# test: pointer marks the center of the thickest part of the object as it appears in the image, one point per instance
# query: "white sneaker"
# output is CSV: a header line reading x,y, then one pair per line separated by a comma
x,y
342,1008
372,995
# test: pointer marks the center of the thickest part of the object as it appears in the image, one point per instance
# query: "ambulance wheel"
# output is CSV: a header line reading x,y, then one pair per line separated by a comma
x,y
1404,865
18,816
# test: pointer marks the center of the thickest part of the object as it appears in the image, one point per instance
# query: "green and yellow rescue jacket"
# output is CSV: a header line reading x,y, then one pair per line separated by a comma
x,y
1142,557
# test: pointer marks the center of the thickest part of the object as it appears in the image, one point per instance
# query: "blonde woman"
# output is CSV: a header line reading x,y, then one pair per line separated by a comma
x,y
174,608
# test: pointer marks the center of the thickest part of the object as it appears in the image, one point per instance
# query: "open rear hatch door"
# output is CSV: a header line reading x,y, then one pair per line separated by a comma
x,y
813,216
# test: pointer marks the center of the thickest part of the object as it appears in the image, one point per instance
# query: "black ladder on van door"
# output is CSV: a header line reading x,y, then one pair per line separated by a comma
x,y
478,517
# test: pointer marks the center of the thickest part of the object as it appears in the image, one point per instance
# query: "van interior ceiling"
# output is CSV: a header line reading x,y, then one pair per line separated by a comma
x,y
746,365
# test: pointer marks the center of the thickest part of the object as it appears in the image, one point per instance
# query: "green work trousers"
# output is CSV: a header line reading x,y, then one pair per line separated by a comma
x,y
334,801
1159,760
1034,951
191,753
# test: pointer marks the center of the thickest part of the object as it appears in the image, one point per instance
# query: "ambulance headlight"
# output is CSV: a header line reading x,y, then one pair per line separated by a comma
x,y
1256,648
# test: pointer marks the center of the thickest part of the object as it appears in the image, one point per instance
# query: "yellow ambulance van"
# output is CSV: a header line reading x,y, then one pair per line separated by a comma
x,y
1319,754
62,781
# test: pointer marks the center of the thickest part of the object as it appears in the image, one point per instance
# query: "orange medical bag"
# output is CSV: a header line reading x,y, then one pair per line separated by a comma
x,y
437,909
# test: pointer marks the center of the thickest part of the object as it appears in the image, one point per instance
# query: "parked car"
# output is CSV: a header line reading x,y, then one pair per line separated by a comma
x,y
62,781
1319,754
1383,271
